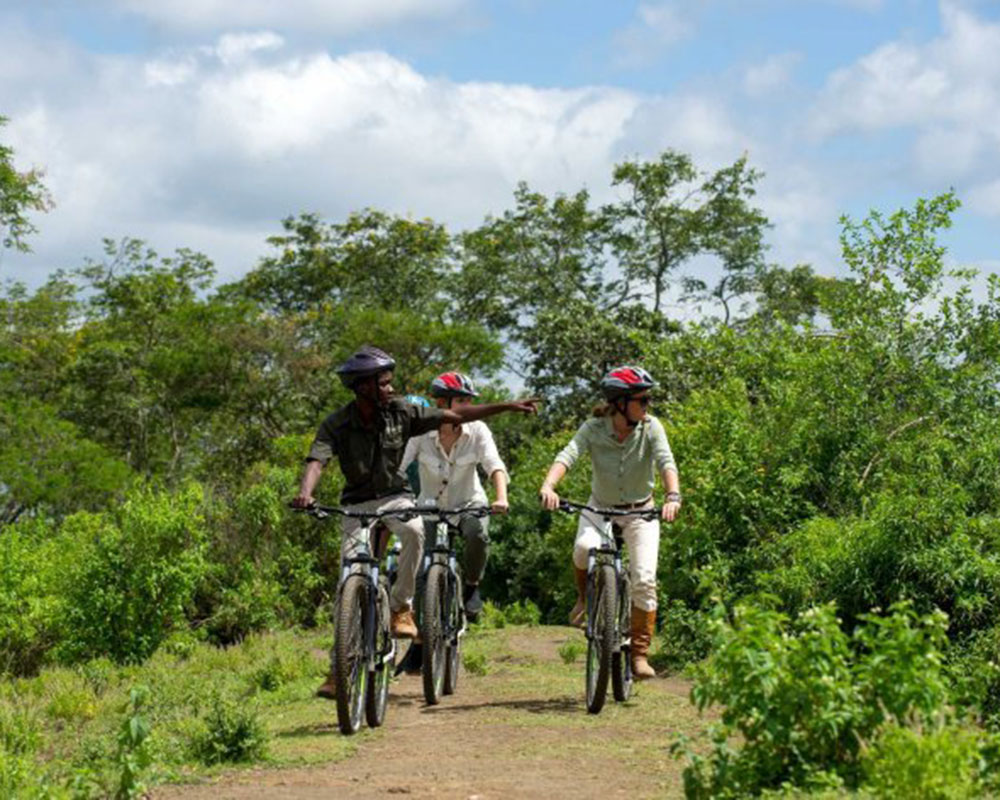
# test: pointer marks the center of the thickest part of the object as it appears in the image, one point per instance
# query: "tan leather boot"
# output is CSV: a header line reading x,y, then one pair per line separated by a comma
x,y
328,689
402,624
579,612
643,628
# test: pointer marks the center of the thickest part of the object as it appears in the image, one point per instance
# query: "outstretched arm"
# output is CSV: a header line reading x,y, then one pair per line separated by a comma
x,y
460,414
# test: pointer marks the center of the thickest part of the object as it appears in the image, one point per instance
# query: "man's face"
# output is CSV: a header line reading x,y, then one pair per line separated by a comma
x,y
377,389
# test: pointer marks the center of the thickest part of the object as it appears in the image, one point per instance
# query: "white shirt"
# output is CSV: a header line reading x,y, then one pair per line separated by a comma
x,y
450,480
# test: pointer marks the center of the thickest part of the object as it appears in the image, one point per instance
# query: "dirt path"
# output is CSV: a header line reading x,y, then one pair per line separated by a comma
x,y
521,730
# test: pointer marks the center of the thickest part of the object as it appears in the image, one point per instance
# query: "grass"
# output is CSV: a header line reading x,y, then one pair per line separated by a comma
x,y
63,724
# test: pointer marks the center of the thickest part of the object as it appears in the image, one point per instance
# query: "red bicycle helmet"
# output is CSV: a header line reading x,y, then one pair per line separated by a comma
x,y
626,380
453,384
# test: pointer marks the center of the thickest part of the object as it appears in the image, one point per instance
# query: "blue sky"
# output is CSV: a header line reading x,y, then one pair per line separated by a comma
x,y
202,123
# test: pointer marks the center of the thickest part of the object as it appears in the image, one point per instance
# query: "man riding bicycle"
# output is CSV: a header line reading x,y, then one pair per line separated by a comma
x,y
448,459
626,446
368,436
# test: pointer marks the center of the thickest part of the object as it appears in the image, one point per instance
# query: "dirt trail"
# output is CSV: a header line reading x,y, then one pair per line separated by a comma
x,y
519,731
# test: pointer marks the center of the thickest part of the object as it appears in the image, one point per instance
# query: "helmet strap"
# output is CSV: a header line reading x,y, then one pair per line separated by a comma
x,y
620,404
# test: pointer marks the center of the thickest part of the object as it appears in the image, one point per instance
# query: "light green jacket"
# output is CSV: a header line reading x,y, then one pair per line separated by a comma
x,y
624,472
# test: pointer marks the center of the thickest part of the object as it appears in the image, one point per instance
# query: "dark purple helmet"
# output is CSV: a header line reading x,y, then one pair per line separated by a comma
x,y
366,363
453,384
623,381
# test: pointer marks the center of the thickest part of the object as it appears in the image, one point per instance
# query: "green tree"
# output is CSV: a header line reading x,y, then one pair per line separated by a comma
x,y
370,259
20,193
672,213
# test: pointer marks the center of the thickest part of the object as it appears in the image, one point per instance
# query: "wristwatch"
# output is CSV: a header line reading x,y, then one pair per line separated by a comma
x,y
674,497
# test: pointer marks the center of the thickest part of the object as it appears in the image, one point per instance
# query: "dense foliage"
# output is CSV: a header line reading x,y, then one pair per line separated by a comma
x,y
836,439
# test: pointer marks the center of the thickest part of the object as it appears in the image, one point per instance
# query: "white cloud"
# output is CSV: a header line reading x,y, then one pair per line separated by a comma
x,y
233,48
339,17
944,94
657,26
219,144
953,79
774,73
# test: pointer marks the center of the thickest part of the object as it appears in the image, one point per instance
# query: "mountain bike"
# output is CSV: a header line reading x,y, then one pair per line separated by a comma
x,y
442,615
609,608
364,650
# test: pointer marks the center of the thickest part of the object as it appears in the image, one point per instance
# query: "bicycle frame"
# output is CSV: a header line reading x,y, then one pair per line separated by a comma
x,y
443,550
367,564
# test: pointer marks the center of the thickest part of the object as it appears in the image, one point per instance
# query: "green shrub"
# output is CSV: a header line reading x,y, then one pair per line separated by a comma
x,y
523,612
492,616
135,577
941,763
475,663
571,650
801,696
28,560
231,732
20,733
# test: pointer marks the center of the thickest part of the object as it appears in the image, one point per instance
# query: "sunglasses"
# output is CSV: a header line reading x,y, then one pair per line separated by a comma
x,y
643,401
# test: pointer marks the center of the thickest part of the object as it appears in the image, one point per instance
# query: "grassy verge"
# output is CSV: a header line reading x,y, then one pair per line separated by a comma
x,y
205,707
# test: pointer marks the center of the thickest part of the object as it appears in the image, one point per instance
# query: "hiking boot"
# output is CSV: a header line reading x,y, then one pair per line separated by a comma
x,y
578,615
328,690
472,601
402,625
643,627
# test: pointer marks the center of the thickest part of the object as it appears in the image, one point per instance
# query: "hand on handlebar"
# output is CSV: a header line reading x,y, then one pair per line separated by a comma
x,y
670,511
549,498
499,507
303,501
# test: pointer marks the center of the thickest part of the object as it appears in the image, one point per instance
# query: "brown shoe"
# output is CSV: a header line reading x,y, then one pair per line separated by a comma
x,y
402,625
643,627
578,615
328,690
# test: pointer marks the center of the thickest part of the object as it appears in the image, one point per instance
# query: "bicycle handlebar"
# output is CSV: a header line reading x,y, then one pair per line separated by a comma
x,y
319,512
646,513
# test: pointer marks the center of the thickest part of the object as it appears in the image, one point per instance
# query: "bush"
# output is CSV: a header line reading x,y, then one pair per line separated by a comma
x,y
942,761
231,732
133,577
571,650
802,695
475,663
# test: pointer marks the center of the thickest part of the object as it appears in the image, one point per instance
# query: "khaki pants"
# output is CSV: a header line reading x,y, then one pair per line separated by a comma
x,y
411,539
642,538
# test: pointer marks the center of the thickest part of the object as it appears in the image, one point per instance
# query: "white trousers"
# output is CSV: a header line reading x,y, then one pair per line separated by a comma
x,y
411,539
642,538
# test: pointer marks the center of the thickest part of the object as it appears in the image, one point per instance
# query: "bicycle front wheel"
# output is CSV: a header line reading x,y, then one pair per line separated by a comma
x,y
621,661
434,628
456,621
349,654
377,696
601,643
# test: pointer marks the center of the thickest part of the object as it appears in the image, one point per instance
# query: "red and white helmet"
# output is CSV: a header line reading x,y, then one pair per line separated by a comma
x,y
453,384
626,380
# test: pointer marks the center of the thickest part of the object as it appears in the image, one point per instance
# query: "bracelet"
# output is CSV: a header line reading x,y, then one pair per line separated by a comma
x,y
673,497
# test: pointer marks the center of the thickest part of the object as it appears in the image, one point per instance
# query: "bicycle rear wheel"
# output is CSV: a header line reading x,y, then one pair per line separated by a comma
x,y
456,621
377,696
601,642
434,626
621,661
349,653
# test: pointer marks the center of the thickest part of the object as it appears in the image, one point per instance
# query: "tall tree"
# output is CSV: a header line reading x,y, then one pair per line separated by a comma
x,y
20,193
672,213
